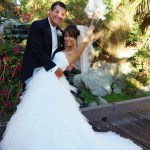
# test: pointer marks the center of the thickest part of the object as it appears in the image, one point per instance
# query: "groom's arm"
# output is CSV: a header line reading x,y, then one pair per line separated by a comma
x,y
37,46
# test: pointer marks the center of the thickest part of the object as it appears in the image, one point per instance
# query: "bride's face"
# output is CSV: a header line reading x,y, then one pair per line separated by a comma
x,y
69,41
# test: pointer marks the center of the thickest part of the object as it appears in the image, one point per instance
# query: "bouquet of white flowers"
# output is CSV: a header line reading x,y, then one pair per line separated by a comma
x,y
96,9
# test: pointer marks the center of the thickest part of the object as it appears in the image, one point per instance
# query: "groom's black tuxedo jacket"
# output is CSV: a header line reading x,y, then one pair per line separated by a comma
x,y
39,48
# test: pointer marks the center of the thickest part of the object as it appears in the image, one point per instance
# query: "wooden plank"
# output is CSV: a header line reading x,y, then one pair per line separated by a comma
x,y
131,130
102,126
146,115
142,123
141,115
101,111
97,112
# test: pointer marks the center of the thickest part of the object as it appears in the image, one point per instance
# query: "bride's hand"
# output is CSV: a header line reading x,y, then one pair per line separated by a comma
x,y
69,68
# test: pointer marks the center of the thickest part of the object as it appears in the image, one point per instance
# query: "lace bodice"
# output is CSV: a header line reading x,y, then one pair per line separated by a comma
x,y
61,60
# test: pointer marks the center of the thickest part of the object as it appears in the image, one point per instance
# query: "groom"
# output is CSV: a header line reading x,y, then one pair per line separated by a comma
x,y
45,38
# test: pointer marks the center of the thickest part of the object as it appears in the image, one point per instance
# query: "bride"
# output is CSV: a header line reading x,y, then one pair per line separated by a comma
x,y
49,118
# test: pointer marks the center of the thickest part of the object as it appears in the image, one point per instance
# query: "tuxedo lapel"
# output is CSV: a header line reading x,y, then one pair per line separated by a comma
x,y
48,37
59,41
49,34
57,50
59,36
60,45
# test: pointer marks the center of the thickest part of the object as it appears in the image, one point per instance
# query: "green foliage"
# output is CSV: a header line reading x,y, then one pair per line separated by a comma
x,y
37,9
117,97
110,15
76,12
132,85
141,64
134,35
23,4
6,9
142,94
88,97
10,85
109,4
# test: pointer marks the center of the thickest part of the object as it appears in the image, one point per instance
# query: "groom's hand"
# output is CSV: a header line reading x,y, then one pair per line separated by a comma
x,y
59,73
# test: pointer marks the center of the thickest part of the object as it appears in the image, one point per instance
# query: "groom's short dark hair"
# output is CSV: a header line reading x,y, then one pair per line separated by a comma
x,y
61,4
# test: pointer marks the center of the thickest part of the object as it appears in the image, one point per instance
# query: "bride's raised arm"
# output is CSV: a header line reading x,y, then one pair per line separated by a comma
x,y
80,48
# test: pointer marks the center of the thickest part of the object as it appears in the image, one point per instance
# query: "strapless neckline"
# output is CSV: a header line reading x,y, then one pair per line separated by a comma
x,y
61,60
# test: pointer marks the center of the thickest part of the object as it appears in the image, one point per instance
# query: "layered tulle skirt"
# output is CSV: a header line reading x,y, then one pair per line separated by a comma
x,y
48,118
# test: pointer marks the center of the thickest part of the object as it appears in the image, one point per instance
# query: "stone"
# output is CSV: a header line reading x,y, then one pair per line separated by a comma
x,y
92,104
98,82
101,100
77,81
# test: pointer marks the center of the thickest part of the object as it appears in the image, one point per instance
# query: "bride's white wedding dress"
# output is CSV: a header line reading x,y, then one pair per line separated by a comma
x,y
49,118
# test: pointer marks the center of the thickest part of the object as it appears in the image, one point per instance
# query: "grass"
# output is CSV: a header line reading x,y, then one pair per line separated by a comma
x,y
116,97
88,97
121,97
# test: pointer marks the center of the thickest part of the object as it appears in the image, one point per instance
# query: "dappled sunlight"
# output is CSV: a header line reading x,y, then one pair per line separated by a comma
x,y
126,52
125,68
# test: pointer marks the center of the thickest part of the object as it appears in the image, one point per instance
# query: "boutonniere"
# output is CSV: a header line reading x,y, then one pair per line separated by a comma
x,y
59,33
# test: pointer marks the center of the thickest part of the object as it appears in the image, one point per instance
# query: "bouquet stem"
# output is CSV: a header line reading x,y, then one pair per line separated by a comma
x,y
94,21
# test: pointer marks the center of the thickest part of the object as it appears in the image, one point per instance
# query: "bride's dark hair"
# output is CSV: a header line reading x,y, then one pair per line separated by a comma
x,y
72,30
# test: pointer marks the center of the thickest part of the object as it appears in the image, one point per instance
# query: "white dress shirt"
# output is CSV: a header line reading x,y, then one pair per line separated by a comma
x,y
54,42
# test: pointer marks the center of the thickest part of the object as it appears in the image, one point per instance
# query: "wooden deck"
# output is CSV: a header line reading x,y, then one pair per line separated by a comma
x,y
134,125
129,119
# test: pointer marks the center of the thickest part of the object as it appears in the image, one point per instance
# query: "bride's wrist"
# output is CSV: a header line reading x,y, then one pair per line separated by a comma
x,y
86,40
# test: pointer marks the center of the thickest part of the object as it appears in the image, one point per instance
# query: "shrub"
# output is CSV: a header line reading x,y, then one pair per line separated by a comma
x,y
10,85
141,63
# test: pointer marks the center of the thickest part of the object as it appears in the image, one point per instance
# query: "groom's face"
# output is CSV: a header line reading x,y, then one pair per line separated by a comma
x,y
57,15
